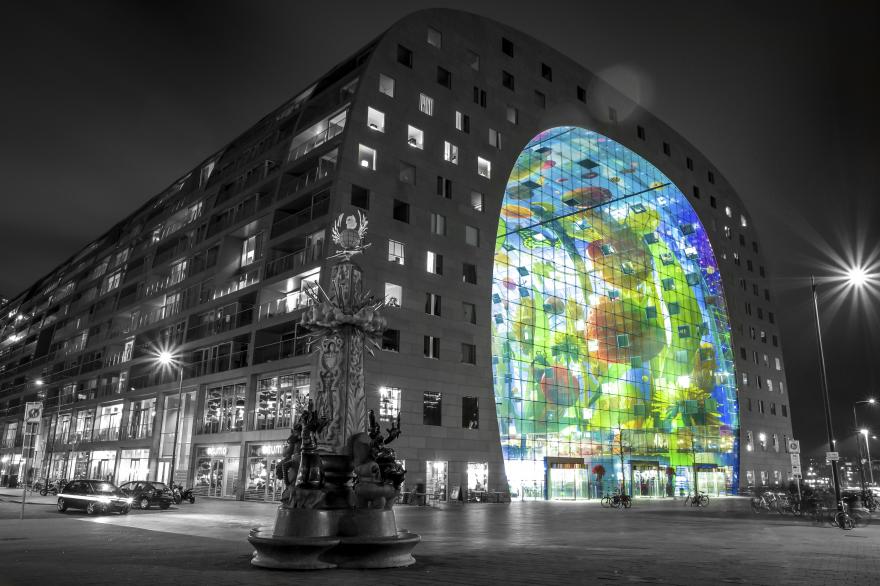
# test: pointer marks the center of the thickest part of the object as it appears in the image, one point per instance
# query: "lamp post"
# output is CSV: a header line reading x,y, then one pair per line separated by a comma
x,y
866,433
870,401
167,359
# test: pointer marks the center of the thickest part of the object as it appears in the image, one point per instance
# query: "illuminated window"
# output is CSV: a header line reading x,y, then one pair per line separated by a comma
x,y
396,252
415,137
434,263
470,412
477,201
393,295
512,115
432,407
450,152
426,104
743,222
386,85
462,122
113,280
435,37
375,120
484,168
366,157
728,212
389,403
494,138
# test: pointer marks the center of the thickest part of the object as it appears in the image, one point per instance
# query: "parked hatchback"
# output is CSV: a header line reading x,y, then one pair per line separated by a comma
x,y
93,496
146,493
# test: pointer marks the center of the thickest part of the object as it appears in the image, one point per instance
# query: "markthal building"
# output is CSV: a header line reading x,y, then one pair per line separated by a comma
x,y
577,298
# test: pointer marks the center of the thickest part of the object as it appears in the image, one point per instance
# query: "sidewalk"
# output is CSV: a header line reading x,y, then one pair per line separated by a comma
x,y
13,495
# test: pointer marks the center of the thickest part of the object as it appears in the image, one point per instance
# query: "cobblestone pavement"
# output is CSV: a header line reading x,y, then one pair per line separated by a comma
x,y
659,542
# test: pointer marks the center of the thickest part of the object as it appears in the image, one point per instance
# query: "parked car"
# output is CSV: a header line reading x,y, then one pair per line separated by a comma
x,y
94,496
146,493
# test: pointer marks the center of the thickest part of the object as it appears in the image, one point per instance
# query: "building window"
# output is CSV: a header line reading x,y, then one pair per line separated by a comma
x,y
469,312
750,442
469,273
395,252
114,279
404,56
696,192
432,403
389,403
438,224
406,173
415,137
250,251
546,72
360,197
367,157
472,235
784,410
444,77
477,201
391,340
432,347
640,132
462,122
468,353
480,96
667,150
728,212
386,85
473,59
434,263
484,168
507,80
494,138
612,114
393,295
540,99
711,177
435,37
224,408
581,94
512,115
713,202
470,412
450,152
426,104
376,119
689,163
507,47
743,222
444,187
401,211
778,363
432,304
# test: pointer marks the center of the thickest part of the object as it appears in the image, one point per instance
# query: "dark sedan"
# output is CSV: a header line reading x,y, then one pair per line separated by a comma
x,y
145,493
94,496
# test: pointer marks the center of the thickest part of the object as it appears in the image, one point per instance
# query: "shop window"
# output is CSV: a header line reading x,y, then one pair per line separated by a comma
x,y
435,37
432,307
462,122
391,340
432,347
432,405
434,263
224,408
401,211
406,173
389,403
386,85
470,412
277,400
444,77
396,252
360,197
404,56
469,312
366,157
415,137
468,353
393,295
375,120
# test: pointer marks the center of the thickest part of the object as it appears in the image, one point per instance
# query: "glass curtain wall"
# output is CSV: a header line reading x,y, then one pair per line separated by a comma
x,y
610,335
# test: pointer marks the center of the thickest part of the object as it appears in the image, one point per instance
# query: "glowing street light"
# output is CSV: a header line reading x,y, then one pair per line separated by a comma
x,y
167,359
871,401
866,433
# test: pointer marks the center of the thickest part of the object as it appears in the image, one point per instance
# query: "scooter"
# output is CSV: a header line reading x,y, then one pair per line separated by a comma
x,y
181,494
55,487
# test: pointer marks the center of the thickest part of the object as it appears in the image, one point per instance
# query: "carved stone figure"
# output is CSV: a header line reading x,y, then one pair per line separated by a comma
x,y
370,490
288,466
311,472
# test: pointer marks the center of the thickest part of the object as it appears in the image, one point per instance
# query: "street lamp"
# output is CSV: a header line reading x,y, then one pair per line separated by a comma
x,y
870,401
166,358
866,433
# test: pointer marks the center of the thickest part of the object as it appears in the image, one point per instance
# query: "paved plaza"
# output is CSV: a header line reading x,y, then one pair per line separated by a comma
x,y
660,542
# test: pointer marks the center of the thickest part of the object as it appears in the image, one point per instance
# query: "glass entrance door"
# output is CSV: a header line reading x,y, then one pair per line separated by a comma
x,y
712,481
568,484
645,479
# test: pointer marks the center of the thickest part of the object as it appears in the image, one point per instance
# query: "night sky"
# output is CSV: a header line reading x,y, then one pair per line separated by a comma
x,y
104,104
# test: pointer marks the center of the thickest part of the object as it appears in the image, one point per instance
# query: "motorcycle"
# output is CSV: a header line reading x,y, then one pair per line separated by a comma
x,y
181,494
54,487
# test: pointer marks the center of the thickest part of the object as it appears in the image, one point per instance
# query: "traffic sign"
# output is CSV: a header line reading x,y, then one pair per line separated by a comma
x,y
795,459
794,446
832,456
796,470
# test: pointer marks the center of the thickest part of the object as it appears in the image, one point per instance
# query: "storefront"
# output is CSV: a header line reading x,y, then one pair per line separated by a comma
x,y
133,465
102,465
260,481
79,463
10,468
567,479
436,478
216,470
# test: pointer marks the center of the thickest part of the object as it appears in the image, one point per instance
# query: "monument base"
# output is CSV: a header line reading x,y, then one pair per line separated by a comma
x,y
317,539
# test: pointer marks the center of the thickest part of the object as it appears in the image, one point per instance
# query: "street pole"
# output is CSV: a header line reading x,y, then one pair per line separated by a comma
x,y
835,478
870,468
177,425
859,446
26,453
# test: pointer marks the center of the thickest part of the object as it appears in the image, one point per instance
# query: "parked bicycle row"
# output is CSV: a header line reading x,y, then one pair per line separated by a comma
x,y
854,510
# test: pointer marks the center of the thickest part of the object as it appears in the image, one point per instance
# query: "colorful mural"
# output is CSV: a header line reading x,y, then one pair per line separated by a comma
x,y
610,332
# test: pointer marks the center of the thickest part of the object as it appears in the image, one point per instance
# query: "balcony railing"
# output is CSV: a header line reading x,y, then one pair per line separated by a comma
x,y
240,282
310,177
315,142
285,305
106,434
140,432
280,350
294,260
78,437
320,207
223,324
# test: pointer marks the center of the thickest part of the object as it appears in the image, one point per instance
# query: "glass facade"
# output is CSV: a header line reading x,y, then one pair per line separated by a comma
x,y
610,336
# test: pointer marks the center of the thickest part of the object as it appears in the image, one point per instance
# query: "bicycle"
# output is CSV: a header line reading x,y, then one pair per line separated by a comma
x,y
617,501
698,499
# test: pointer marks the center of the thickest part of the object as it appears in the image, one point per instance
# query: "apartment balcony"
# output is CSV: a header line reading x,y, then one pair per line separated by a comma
x,y
106,434
75,438
295,260
311,144
284,306
298,182
238,214
280,350
140,432
242,281
222,324
315,207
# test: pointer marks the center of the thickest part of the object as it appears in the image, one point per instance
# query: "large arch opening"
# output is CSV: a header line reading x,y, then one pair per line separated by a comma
x,y
610,336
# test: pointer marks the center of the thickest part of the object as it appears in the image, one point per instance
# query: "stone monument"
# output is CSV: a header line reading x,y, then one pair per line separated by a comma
x,y
342,479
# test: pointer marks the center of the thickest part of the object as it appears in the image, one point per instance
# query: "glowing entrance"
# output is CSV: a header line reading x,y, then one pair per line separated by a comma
x,y
610,336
